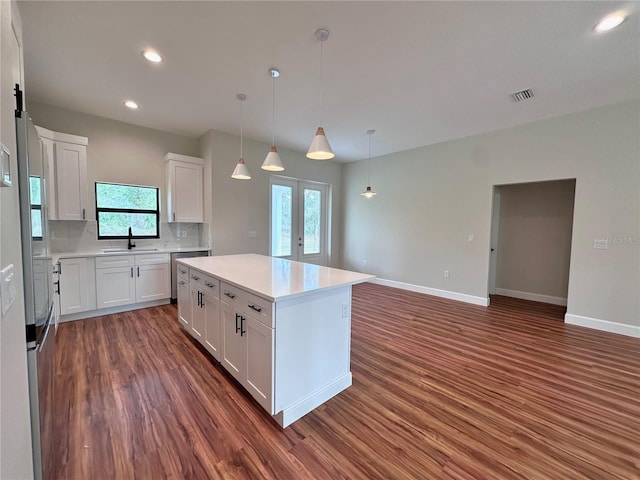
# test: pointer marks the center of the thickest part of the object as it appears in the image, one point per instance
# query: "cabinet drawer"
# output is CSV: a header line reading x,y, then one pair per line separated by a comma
x,y
232,295
114,261
152,259
205,283
183,272
258,308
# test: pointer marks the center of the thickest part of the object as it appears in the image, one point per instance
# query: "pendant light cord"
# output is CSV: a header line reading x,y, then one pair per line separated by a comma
x,y
241,127
273,111
369,162
321,77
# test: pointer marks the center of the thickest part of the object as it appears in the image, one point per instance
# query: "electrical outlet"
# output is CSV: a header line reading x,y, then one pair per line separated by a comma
x,y
345,310
446,274
253,234
471,237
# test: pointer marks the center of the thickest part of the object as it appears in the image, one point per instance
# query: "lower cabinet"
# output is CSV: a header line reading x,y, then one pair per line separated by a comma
x,y
127,279
77,285
247,353
230,324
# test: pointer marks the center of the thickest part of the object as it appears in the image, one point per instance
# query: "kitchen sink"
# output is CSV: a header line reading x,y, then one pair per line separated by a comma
x,y
126,250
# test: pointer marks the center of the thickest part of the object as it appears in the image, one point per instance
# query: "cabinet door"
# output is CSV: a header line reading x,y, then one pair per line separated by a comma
x,y
153,282
259,362
184,304
186,193
71,181
115,286
77,285
48,157
197,314
212,325
232,342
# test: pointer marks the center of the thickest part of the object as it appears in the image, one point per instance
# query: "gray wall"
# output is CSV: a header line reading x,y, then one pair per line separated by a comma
x,y
15,433
431,198
241,206
117,152
534,241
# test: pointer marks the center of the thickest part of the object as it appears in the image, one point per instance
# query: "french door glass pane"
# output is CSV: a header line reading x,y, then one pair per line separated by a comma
x,y
281,220
312,212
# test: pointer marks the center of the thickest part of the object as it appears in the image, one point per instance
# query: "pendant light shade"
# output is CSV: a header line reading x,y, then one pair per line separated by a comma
x,y
320,148
241,172
272,162
368,192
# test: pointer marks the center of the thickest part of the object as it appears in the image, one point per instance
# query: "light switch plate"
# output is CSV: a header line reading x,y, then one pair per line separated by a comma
x,y
601,244
5,167
7,288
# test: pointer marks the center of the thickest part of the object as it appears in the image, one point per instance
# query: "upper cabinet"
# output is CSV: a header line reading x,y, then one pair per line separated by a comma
x,y
66,158
185,188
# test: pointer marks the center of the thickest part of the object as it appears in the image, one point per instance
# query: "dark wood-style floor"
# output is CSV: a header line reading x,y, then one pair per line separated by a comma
x,y
441,390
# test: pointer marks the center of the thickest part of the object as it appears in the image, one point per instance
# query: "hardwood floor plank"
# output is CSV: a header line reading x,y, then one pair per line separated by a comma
x,y
441,390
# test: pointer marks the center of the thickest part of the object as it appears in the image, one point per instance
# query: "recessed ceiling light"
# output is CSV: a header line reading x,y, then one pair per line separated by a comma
x,y
609,22
151,55
130,104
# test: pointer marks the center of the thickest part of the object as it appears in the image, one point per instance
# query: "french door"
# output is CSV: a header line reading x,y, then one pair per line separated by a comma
x,y
299,220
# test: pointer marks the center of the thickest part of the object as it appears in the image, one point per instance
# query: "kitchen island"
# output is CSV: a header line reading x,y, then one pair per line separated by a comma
x,y
281,328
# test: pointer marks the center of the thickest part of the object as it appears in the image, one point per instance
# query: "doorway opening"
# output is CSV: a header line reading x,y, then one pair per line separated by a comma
x,y
531,229
299,220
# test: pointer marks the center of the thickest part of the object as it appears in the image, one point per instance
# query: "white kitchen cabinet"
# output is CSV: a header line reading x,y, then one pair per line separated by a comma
x,y
153,282
77,285
205,312
127,279
185,188
184,297
66,157
247,344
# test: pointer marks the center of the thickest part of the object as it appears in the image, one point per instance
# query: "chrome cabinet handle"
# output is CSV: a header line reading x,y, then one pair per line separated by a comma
x,y
230,295
253,307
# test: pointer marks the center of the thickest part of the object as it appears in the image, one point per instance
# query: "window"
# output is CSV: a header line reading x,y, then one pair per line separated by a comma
x,y
120,207
35,185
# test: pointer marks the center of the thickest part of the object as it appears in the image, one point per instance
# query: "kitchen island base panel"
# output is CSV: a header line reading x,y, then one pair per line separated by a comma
x,y
307,404
313,344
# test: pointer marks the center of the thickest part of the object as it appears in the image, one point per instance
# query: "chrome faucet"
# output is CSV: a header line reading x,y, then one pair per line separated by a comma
x,y
130,244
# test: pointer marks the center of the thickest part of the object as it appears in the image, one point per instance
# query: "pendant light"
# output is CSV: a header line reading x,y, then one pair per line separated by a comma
x,y
368,192
272,161
320,148
241,172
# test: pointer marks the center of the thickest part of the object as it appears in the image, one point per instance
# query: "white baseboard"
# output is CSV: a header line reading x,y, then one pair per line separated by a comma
x,y
604,325
108,311
461,297
535,297
308,403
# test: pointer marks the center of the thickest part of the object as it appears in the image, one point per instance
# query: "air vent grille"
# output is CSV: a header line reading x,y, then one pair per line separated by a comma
x,y
522,95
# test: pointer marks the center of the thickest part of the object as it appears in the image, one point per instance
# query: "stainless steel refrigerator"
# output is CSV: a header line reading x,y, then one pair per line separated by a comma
x,y
38,289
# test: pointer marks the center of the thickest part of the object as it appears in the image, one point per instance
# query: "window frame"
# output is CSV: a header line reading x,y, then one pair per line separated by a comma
x,y
155,212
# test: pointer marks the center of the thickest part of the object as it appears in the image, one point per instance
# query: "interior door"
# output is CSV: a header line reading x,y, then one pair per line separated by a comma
x,y
299,228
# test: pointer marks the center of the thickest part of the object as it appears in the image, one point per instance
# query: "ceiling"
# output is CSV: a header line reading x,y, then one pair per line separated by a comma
x,y
418,72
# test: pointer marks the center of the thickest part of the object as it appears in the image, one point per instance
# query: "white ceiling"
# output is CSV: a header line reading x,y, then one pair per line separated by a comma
x,y
417,72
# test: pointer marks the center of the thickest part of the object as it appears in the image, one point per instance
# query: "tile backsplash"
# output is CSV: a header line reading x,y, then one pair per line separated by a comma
x,y
69,237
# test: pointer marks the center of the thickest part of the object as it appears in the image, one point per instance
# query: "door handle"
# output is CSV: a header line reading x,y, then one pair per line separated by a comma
x,y
138,271
242,330
237,328
131,272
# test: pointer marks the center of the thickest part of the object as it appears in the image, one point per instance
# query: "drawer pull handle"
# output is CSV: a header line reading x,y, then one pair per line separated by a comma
x,y
253,307
237,327
195,277
209,284
230,295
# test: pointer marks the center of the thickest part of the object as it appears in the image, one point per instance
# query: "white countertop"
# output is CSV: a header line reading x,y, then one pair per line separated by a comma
x,y
133,251
274,278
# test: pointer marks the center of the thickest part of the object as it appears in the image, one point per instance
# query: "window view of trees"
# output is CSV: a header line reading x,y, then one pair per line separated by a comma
x,y
281,224
35,194
119,207
312,211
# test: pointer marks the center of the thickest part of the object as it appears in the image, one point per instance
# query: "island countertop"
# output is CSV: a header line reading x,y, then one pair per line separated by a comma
x,y
274,278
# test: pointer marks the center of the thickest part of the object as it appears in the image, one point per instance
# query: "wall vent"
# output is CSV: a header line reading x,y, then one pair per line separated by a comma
x,y
522,95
